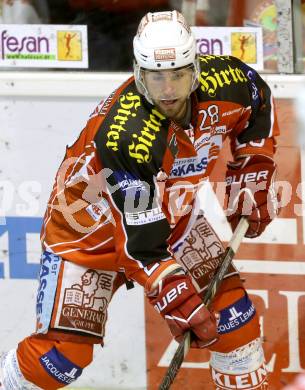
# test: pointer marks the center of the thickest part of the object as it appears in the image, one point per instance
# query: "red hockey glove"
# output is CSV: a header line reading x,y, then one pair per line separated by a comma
x,y
250,190
178,302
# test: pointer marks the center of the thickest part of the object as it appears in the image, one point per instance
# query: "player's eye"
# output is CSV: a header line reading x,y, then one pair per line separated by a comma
x,y
157,76
178,75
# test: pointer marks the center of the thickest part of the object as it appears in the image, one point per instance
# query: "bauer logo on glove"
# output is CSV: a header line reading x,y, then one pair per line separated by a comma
x,y
250,191
247,178
178,302
173,294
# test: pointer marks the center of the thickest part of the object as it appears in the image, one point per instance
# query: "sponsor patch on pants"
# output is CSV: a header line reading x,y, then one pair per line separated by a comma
x,y
249,381
236,315
84,298
59,367
49,271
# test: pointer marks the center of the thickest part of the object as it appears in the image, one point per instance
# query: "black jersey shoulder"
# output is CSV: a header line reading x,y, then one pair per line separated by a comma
x,y
224,78
133,131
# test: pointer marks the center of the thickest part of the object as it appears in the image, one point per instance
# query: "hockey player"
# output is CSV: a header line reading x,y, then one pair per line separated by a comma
x,y
125,206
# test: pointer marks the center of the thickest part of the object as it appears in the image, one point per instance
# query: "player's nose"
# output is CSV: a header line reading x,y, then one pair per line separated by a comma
x,y
169,87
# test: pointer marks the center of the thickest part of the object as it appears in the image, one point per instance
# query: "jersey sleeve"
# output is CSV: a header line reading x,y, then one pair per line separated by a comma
x,y
141,229
133,193
258,132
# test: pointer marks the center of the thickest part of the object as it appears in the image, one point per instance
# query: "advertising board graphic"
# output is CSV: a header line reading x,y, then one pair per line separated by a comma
x,y
245,43
43,46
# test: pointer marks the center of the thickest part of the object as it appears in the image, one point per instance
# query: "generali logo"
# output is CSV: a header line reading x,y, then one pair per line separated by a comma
x,y
165,54
201,253
85,303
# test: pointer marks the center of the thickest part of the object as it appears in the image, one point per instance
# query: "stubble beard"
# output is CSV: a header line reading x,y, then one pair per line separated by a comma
x,y
176,112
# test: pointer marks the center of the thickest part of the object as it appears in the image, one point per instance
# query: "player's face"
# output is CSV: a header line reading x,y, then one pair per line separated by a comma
x,y
169,90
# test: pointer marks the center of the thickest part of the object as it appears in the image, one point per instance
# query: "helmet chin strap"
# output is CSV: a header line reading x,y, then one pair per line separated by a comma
x,y
140,83
196,74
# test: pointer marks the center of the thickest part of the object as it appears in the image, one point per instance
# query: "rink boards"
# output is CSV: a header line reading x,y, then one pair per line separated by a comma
x,y
38,120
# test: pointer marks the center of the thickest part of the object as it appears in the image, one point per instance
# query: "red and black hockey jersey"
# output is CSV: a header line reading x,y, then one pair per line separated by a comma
x,y
126,188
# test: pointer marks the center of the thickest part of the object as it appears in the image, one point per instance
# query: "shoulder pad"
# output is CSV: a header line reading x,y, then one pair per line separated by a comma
x,y
222,78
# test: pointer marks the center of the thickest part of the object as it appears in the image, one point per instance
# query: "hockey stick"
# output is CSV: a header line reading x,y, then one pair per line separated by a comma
x,y
184,345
